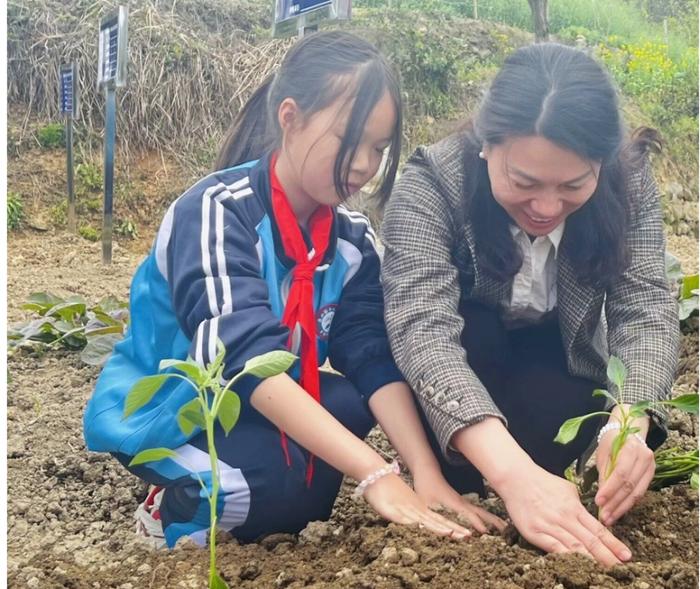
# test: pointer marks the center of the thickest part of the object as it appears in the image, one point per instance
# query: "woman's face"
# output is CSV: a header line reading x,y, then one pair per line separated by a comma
x,y
539,183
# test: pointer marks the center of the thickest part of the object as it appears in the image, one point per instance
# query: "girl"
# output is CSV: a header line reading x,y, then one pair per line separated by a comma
x,y
520,253
253,251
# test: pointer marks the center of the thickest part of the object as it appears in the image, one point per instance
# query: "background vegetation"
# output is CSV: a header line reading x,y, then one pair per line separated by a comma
x,y
193,63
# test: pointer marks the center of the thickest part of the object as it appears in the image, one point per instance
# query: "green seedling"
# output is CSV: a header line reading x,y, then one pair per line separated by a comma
x,y
126,228
675,466
88,232
70,323
617,373
686,288
15,210
51,135
213,402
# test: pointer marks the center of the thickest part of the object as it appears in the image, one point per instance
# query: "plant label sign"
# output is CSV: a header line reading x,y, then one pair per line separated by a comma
x,y
111,75
112,48
69,101
68,106
292,16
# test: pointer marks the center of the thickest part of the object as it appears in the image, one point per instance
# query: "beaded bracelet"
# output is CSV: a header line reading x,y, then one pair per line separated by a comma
x,y
374,477
616,425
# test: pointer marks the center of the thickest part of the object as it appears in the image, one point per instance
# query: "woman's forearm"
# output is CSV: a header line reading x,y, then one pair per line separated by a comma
x,y
490,447
281,400
395,410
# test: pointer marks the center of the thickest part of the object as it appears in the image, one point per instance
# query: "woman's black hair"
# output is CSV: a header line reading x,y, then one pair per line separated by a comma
x,y
319,69
562,94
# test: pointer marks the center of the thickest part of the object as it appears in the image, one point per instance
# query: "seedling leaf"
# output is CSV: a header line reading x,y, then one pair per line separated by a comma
x,y
99,348
694,481
190,416
604,393
194,371
639,409
617,373
270,364
217,582
40,302
229,411
569,429
687,307
687,403
674,272
219,360
688,285
152,455
142,392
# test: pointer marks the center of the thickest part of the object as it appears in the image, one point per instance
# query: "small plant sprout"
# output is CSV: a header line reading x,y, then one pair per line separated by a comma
x,y
617,373
673,465
213,402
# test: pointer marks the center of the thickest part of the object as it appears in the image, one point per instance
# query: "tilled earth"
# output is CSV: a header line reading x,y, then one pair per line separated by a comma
x,y
70,512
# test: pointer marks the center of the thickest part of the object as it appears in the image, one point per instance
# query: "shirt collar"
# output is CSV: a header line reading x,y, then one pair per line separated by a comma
x,y
554,235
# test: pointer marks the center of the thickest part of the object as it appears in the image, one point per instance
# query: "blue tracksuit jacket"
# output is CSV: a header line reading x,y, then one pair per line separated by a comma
x,y
217,270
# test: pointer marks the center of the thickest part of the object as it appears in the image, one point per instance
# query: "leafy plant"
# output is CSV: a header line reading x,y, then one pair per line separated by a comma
x,y
89,176
71,324
213,403
88,232
15,210
617,373
51,135
687,287
126,228
675,466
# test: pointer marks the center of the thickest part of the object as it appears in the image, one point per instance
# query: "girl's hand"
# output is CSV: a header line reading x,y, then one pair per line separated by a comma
x,y
437,492
634,470
393,499
547,511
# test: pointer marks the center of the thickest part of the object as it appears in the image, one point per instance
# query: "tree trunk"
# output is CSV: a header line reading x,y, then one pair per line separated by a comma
x,y
539,19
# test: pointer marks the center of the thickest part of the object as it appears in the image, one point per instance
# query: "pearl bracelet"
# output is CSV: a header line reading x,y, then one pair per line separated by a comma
x,y
374,477
616,425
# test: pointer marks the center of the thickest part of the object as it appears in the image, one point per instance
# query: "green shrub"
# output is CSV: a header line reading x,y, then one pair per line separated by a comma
x,y
665,89
126,228
51,135
58,213
93,205
15,210
89,176
88,232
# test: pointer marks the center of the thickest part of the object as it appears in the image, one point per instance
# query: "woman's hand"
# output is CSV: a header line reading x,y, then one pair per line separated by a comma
x,y
432,488
547,511
633,472
545,508
393,499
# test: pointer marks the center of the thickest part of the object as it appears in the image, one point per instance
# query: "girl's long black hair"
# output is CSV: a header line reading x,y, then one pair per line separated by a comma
x,y
562,94
315,72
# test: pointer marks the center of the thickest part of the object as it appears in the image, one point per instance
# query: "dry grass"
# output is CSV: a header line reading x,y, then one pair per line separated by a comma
x,y
191,66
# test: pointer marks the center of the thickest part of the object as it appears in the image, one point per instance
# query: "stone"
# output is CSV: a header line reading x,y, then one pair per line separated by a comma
x,y
408,556
389,554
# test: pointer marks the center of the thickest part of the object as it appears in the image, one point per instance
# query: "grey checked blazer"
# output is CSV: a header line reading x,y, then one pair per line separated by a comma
x,y
429,265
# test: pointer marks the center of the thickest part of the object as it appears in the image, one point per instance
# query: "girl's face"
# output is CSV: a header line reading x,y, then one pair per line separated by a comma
x,y
539,183
311,147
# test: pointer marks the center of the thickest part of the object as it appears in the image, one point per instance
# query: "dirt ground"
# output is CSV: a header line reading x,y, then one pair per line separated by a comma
x,y
70,512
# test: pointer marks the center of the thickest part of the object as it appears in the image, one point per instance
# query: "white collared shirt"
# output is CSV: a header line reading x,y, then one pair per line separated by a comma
x,y
535,285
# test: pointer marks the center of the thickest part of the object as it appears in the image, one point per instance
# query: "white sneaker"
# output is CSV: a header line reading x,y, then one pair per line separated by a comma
x,y
148,524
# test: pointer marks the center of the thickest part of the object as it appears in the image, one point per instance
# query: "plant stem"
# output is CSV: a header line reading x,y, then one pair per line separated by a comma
x,y
212,496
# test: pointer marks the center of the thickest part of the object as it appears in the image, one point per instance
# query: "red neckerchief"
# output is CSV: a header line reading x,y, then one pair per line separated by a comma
x,y
299,309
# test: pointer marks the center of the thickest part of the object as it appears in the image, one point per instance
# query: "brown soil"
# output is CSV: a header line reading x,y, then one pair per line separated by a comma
x,y
70,511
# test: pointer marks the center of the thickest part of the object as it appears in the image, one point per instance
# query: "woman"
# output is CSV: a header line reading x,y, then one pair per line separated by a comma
x,y
521,253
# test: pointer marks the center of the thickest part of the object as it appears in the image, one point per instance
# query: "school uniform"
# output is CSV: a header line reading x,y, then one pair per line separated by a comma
x,y
218,271
529,350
